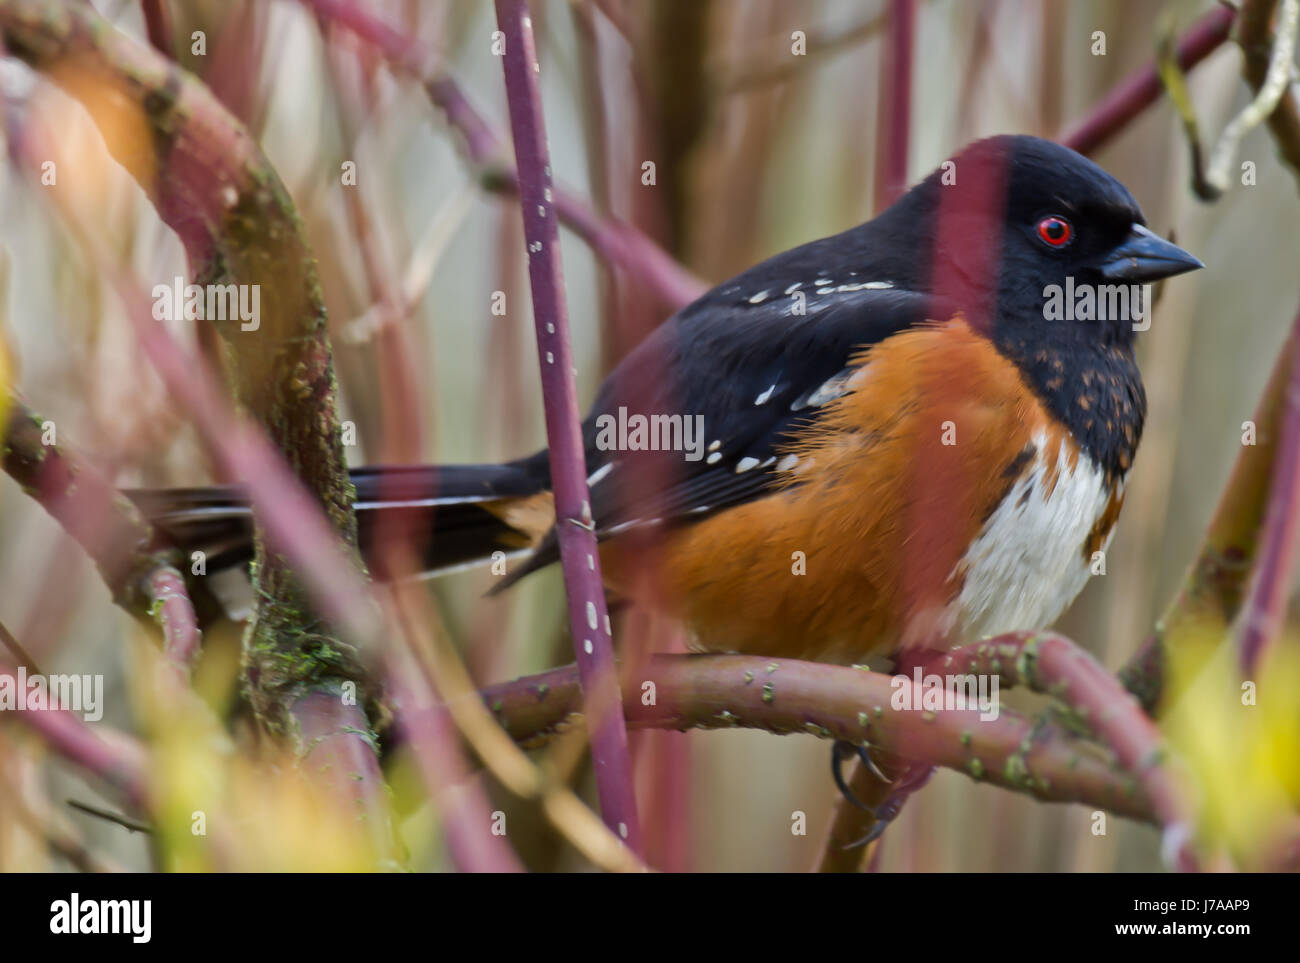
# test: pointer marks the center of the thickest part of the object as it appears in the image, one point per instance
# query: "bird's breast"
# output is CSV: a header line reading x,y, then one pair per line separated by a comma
x,y
936,502
1040,545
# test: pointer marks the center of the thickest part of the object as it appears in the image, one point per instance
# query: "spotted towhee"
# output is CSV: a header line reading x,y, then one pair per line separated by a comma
x,y
916,431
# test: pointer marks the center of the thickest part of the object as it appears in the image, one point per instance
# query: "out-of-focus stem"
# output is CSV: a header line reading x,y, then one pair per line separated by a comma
x,y
119,763
893,132
139,570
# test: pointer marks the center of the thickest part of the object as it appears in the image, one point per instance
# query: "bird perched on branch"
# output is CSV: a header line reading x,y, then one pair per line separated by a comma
x,y
915,432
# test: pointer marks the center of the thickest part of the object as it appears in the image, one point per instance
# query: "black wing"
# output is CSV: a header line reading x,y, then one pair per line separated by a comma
x,y
755,369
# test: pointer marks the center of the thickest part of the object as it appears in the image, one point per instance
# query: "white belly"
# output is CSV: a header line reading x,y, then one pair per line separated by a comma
x,y
1028,563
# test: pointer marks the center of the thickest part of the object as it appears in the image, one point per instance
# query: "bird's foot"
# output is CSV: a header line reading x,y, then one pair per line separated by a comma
x,y
883,813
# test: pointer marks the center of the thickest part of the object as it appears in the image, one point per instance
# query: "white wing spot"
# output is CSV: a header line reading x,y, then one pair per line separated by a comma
x,y
745,464
762,399
829,390
714,458
864,286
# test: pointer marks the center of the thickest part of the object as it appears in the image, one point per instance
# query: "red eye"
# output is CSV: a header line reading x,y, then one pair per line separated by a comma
x,y
1055,231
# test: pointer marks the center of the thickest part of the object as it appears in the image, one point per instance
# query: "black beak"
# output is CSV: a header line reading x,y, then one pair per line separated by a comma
x,y
1144,256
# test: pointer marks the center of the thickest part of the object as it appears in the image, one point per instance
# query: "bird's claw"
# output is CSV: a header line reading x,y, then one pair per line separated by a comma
x,y
881,814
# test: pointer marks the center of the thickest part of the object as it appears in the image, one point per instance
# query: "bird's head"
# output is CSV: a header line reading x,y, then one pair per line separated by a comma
x,y
1023,234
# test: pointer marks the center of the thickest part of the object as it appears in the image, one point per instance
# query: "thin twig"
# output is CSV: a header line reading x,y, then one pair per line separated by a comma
x,y
109,816
1269,92
1254,38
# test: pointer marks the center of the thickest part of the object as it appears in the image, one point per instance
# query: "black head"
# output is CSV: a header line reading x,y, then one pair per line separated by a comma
x,y
1047,254
1018,230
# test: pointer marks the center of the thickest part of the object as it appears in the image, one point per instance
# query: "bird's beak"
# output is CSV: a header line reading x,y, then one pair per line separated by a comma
x,y
1144,256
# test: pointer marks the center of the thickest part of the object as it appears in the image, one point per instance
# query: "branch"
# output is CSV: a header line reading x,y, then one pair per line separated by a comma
x,y
1257,48
1211,593
831,702
138,568
1270,87
321,718
1138,91
579,558
894,110
1265,608
213,186
1052,664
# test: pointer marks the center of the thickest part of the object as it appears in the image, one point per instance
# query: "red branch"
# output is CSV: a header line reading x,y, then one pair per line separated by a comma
x,y
1053,664
120,763
295,525
893,129
588,618
1265,607
1138,91
175,615
137,568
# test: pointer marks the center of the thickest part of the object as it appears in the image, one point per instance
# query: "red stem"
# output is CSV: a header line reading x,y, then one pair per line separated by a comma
x,y
120,763
1138,91
1265,608
175,615
158,26
294,524
893,128
1052,663
588,619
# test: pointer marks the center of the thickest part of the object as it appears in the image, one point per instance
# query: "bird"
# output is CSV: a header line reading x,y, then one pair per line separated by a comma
x,y
911,434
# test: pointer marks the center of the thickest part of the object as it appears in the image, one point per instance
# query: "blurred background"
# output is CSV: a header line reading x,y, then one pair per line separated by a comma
x,y
754,151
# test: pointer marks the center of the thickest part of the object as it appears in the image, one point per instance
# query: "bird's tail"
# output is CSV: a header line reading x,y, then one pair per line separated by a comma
x,y
456,516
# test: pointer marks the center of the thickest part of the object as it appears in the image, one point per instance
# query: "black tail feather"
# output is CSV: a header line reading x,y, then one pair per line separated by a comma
x,y
445,512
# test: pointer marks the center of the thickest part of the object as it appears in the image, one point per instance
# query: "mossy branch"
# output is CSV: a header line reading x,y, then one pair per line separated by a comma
x,y
212,185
